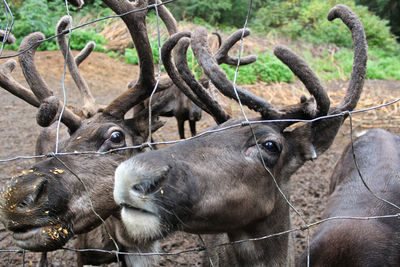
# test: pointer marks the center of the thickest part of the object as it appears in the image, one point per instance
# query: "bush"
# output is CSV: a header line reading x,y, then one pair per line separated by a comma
x,y
219,12
307,20
45,20
267,68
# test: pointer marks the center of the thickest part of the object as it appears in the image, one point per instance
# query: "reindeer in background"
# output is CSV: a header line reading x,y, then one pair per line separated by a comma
x,y
375,242
232,181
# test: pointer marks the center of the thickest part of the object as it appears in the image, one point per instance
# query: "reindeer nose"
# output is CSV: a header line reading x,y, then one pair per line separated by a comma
x,y
152,183
22,194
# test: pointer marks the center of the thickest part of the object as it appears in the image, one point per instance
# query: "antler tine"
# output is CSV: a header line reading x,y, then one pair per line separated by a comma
x,y
85,52
6,37
224,85
26,60
221,56
214,108
166,50
219,38
166,17
360,57
89,105
12,86
39,87
301,69
136,23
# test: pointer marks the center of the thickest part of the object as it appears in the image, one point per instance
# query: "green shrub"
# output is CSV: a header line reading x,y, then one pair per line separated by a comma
x,y
307,20
44,19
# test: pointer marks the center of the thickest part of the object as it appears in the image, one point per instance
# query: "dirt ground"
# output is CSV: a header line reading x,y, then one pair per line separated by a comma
x,y
107,78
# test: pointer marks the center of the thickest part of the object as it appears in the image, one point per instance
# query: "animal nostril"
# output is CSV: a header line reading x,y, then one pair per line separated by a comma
x,y
146,187
153,184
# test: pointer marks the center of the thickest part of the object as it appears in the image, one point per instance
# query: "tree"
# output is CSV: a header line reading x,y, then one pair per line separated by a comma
x,y
386,9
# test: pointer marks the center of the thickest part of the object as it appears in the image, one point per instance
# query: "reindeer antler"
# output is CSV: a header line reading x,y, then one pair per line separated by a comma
x,y
40,89
89,107
145,84
306,109
12,86
186,81
221,56
360,57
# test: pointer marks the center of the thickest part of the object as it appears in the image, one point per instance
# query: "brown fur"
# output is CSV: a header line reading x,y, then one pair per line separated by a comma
x,y
354,242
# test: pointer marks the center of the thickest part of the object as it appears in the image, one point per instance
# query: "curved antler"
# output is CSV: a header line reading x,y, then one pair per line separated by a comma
x,y
323,131
360,57
89,107
214,109
307,76
166,50
39,86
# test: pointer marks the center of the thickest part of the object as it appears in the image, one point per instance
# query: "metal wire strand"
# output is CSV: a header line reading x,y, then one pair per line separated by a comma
x,y
58,156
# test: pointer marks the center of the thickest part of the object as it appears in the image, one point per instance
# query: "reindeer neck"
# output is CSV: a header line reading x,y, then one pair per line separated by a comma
x,y
272,251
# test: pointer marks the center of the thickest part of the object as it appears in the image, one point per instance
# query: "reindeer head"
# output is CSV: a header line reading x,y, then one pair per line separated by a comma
x,y
227,180
72,194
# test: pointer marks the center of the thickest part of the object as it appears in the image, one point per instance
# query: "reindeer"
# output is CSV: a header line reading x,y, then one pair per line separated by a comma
x,y
226,181
346,242
71,194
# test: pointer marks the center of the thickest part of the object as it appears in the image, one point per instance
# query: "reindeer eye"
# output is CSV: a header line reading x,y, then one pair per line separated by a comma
x,y
116,137
272,146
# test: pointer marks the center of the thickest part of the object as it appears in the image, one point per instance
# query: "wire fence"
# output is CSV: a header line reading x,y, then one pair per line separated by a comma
x,y
246,123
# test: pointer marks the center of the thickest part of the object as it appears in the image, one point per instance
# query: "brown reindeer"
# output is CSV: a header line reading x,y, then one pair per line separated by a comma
x,y
226,181
72,194
375,242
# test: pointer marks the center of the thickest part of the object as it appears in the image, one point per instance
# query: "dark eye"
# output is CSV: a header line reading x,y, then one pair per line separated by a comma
x,y
272,146
116,137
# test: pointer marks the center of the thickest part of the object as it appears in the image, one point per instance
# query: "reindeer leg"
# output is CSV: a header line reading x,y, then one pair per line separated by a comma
x,y
181,128
192,124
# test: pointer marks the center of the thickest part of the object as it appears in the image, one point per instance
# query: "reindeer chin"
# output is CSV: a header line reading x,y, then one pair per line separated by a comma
x,y
142,226
41,239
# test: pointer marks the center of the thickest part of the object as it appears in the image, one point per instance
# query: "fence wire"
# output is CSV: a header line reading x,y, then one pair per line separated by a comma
x,y
246,123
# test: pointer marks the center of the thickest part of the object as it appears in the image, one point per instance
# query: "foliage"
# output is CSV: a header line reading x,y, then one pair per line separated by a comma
x,y
267,68
381,64
307,20
230,13
45,20
131,54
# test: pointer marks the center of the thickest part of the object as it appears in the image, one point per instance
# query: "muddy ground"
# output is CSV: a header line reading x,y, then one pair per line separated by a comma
x,y
107,78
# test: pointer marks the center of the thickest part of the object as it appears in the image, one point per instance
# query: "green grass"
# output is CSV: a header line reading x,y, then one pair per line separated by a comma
x,y
304,21
381,65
